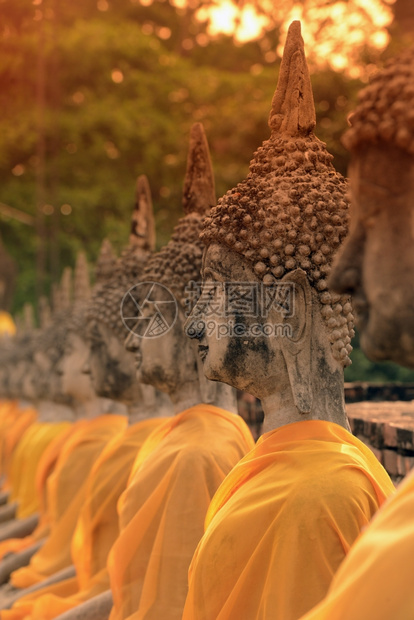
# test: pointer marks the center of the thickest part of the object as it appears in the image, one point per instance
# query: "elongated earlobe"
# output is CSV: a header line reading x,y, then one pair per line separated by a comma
x,y
296,341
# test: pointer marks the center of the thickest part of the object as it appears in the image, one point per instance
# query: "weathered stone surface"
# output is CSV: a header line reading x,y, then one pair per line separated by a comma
x,y
375,265
278,229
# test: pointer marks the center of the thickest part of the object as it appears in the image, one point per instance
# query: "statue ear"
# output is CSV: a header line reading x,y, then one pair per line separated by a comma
x,y
207,388
295,297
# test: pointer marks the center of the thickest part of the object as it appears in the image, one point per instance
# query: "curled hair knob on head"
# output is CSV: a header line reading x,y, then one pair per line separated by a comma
x,y
179,262
291,212
115,277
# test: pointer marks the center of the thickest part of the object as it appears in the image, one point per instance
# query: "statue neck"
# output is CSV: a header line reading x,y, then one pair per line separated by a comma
x,y
328,403
186,395
48,411
95,407
193,393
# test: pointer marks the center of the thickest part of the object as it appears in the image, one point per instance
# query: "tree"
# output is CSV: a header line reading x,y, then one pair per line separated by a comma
x,y
120,103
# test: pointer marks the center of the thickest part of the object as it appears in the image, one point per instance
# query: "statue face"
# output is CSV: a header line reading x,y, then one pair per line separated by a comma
x,y
46,375
167,362
376,264
74,382
30,382
110,366
16,378
240,343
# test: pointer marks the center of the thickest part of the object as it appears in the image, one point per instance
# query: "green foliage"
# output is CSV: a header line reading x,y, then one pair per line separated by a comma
x,y
362,369
119,102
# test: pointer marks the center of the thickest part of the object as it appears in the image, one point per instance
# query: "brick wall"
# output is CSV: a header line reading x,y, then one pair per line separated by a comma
x,y
388,429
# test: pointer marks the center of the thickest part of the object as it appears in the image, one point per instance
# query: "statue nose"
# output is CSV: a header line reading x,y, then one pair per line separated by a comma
x,y
132,343
195,328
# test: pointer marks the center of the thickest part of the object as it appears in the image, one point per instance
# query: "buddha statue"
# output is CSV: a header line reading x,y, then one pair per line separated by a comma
x,y
72,383
375,261
63,344
42,384
39,420
376,267
267,323
110,366
181,463
17,416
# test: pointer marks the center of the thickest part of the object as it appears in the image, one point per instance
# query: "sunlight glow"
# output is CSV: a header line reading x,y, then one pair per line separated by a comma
x,y
335,33
221,17
224,17
251,24
117,76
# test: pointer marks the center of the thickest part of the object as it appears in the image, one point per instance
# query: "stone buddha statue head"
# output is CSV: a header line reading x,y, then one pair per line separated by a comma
x,y
49,347
15,355
74,385
165,358
110,366
266,321
376,263
15,363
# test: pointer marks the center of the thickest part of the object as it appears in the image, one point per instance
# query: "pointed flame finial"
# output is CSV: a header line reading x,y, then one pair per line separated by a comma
x,y
199,189
28,318
82,286
142,223
45,314
293,109
65,289
106,262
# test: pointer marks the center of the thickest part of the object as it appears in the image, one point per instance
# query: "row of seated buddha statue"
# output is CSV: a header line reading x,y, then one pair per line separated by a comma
x,y
132,489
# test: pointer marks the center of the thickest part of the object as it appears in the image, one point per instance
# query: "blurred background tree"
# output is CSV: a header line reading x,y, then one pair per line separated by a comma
x,y
95,92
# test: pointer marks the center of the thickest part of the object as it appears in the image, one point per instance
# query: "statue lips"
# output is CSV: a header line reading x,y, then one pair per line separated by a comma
x,y
202,351
138,359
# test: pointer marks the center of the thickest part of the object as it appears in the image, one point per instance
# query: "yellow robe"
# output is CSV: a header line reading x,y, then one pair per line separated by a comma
x,y
282,522
98,526
9,411
7,325
66,488
375,581
44,469
10,437
163,508
14,421
25,460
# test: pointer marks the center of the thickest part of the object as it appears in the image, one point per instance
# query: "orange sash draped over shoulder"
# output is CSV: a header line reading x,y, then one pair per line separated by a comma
x,y
66,489
97,526
26,458
376,578
282,522
162,510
